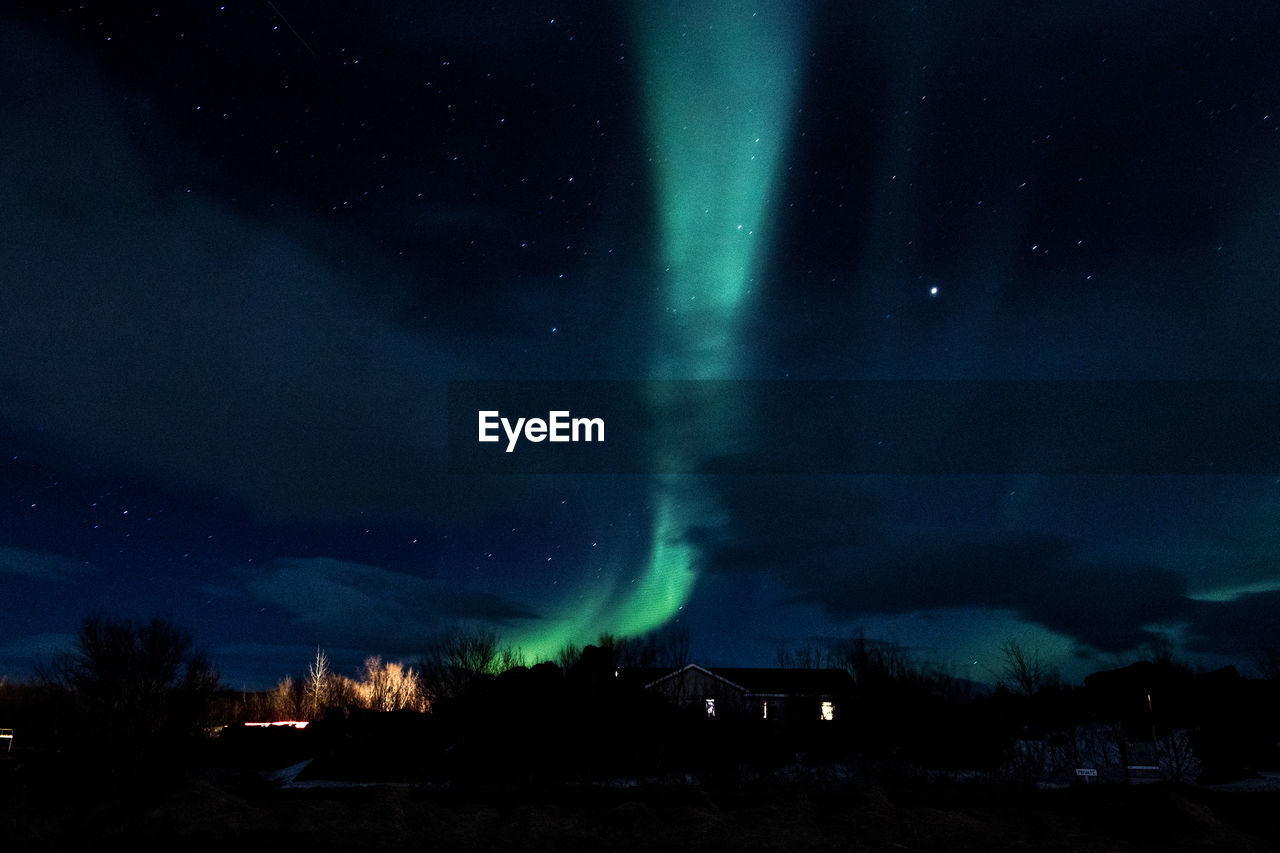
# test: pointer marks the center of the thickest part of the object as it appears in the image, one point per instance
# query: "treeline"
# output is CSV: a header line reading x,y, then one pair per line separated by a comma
x,y
130,699
135,699
445,670
589,713
1033,727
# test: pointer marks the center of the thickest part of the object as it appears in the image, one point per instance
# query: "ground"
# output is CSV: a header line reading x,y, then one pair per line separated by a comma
x,y
246,813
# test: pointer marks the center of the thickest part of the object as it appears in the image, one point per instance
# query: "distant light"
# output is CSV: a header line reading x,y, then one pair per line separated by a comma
x,y
297,724
933,291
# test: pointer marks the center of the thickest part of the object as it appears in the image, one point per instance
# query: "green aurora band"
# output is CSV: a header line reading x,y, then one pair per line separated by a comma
x,y
719,81
720,85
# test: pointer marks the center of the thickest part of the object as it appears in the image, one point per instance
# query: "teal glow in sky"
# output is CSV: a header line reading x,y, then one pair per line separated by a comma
x,y
719,82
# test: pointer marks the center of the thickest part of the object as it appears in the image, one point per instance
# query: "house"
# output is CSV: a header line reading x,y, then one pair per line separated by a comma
x,y
781,695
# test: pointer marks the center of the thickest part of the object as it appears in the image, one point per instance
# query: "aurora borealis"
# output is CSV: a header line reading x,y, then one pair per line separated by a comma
x,y
246,254
719,83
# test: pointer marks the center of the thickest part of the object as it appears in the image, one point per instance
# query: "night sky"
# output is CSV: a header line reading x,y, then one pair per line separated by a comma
x,y
246,247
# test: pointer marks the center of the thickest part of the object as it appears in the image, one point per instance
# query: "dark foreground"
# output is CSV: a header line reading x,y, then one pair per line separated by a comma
x,y
243,815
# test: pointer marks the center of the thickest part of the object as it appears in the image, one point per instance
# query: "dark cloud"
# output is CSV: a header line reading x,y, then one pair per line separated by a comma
x,y
1244,627
858,547
162,332
154,329
1041,579
41,566
792,529
350,604
36,650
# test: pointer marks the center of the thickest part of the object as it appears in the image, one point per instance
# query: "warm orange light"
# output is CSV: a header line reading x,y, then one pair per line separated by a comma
x,y
828,711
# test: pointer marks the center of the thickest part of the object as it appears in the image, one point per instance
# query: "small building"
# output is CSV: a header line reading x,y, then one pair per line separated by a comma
x,y
778,695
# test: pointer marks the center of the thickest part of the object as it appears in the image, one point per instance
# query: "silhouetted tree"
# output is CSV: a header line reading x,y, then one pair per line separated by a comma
x,y
136,688
457,659
1268,663
1022,672
875,662
810,655
568,656
509,657
666,648
1160,647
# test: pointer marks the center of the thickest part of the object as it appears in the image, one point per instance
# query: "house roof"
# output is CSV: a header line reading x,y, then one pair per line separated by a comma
x,y
766,681
693,667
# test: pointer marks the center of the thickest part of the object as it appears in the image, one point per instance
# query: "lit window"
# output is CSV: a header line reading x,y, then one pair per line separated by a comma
x,y
828,711
766,710
711,709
